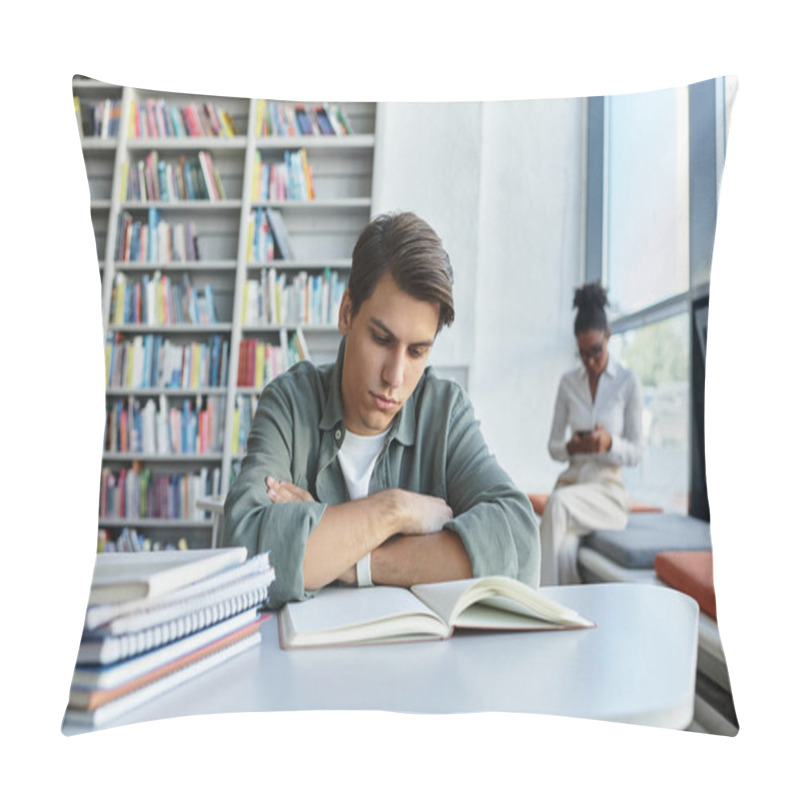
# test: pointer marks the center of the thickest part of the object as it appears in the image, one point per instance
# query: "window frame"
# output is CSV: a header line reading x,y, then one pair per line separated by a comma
x,y
707,142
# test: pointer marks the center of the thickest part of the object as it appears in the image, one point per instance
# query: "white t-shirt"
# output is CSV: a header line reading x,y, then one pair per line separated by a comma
x,y
357,457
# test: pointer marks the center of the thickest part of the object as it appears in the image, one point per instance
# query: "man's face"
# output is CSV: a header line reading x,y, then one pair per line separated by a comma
x,y
387,348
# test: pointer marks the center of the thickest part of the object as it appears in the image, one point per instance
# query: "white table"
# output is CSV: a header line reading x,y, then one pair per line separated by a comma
x,y
637,666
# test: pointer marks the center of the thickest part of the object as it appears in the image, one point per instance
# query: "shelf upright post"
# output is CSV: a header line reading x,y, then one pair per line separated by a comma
x,y
238,294
120,155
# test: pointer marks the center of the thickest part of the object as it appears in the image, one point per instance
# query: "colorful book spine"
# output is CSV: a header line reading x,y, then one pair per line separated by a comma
x,y
153,179
98,119
303,299
140,494
155,241
135,427
157,300
151,361
275,118
155,118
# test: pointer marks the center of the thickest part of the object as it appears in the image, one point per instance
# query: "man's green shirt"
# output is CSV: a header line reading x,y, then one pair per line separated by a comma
x,y
435,447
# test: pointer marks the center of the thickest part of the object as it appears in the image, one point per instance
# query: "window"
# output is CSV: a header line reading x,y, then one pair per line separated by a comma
x,y
647,198
653,170
659,354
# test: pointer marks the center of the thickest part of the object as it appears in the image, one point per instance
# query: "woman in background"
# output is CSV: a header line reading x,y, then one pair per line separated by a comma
x,y
600,404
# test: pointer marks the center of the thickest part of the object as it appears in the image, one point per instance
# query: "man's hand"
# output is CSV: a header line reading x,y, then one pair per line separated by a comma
x,y
285,492
423,513
349,576
381,516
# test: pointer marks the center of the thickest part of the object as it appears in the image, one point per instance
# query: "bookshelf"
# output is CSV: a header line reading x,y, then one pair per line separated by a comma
x,y
174,205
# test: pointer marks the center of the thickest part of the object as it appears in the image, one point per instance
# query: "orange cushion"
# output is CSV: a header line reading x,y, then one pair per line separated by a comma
x,y
690,572
640,508
538,501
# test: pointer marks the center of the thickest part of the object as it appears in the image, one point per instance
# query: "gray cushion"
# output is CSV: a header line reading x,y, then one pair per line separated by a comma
x,y
647,535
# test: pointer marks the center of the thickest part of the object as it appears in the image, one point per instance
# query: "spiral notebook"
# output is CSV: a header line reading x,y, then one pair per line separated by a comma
x,y
142,626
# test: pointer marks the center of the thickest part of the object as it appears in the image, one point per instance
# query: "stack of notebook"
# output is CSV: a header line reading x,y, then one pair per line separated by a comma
x,y
157,619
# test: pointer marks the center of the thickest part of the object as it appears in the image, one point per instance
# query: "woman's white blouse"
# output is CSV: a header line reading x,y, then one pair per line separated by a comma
x,y
617,406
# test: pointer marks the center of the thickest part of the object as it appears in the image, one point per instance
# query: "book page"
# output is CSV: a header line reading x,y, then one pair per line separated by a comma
x,y
443,598
111,568
498,597
338,607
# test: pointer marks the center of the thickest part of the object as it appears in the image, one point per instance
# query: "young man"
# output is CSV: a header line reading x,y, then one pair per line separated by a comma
x,y
373,470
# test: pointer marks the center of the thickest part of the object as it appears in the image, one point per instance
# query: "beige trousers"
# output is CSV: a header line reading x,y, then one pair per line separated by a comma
x,y
586,497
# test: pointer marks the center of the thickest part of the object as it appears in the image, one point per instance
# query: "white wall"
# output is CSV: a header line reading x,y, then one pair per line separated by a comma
x,y
503,185
427,160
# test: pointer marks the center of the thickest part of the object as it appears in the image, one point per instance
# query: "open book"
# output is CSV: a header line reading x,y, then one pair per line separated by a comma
x,y
340,615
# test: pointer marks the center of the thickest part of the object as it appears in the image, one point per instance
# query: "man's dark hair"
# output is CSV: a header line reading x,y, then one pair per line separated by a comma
x,y
410,250
590,300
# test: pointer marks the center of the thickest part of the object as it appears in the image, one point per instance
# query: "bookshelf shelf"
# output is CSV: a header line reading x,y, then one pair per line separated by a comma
x,y
204,206
82,84
175,266
254,330
315,205
220,327
167,458
115,391
153,522
333,263
319,235
96,143
189,143
352,142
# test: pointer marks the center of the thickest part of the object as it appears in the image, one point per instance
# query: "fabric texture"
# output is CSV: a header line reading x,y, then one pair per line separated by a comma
x,y
691,573
649,534
573,510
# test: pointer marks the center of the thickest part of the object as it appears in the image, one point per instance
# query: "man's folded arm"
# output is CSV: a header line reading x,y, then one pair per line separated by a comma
x,y
252,520
492,517
406,560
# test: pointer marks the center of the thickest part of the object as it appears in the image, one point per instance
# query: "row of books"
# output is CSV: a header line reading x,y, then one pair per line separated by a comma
x,y
140,493
267,236
243,412
151,361
157,619
150,428
289,179
277,118
98,118
303,299
155,241
151,178
260,362
155,118
157,300
129,540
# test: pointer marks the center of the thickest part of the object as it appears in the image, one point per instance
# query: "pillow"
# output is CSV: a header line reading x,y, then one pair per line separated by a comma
x,y
692,573
648,534
224,228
